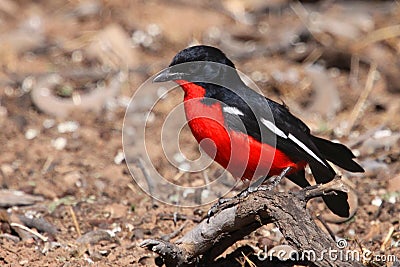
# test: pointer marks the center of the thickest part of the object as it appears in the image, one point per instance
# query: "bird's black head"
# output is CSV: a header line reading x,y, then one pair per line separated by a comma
x,y
201,53
197,64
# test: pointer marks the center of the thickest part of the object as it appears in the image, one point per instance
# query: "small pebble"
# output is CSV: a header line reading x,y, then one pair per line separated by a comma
x,y
395,244
59,143
187,192
77,56
148,41
392,199
23,262
382,133
27,84
89,260
153,29
9,91
142,38
334,72
119,158
48,123
178,157
184,167
129,227
116,229
356,152
67,127
352,232
205,194
138,36
300,48
31,133
377,201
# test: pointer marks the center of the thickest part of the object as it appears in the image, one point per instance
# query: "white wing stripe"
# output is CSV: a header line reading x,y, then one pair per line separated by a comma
x,y
273,128
305,148
232,110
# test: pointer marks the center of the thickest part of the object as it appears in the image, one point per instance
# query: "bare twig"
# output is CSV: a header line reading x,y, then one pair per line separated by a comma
x,y
73,216
174,233
365,136
23,227
47,164
378,35
369,85
324,223
303,14
9,198
93,237
150,182
41,224
13,238
354,71
53,105
387,238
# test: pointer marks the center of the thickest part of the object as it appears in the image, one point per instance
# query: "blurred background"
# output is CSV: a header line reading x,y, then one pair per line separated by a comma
x,y
69,68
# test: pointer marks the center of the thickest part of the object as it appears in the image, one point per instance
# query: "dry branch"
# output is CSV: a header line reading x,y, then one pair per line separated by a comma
x,y
288,211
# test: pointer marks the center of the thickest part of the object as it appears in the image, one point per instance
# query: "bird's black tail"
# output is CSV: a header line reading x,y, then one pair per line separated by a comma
x,y
341,156
337,202
338,154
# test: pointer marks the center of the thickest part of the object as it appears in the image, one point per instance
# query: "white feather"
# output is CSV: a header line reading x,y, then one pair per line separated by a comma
x,y
232,110
271,126
305,148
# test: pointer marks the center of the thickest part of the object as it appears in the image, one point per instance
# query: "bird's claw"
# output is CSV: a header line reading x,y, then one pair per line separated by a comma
x,y
214,208
229,202
256,186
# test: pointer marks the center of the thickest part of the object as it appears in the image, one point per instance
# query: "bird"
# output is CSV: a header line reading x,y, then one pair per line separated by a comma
x,y
249,134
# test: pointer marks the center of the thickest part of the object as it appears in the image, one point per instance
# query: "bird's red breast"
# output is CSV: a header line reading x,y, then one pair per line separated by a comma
x,y
242,155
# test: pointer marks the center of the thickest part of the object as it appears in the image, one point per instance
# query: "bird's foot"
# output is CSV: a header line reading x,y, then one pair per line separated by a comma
x,y
272,182
258,185
224,203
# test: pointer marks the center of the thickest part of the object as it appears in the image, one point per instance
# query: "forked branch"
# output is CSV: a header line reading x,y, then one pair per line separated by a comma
x,y
288,211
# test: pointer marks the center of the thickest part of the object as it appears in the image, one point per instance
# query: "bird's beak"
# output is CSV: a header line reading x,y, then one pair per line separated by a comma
x,y
168,75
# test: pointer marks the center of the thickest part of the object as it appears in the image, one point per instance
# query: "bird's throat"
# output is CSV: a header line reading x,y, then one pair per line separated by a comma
x,y
191,90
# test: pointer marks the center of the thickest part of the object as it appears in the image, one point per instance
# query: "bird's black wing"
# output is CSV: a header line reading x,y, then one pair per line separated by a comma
x,y
271,123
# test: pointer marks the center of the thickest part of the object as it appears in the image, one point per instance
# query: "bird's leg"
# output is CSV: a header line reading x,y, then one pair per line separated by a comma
x,y
229,201
275,180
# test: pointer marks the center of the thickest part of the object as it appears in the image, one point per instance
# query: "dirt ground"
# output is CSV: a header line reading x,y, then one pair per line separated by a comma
x,y
62,106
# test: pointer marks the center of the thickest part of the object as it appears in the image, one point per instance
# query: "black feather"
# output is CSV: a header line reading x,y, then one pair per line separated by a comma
x,y
338,154
299,178
337,203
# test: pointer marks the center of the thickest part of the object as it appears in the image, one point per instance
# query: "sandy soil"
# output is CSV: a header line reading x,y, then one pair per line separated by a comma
x,y
82,200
